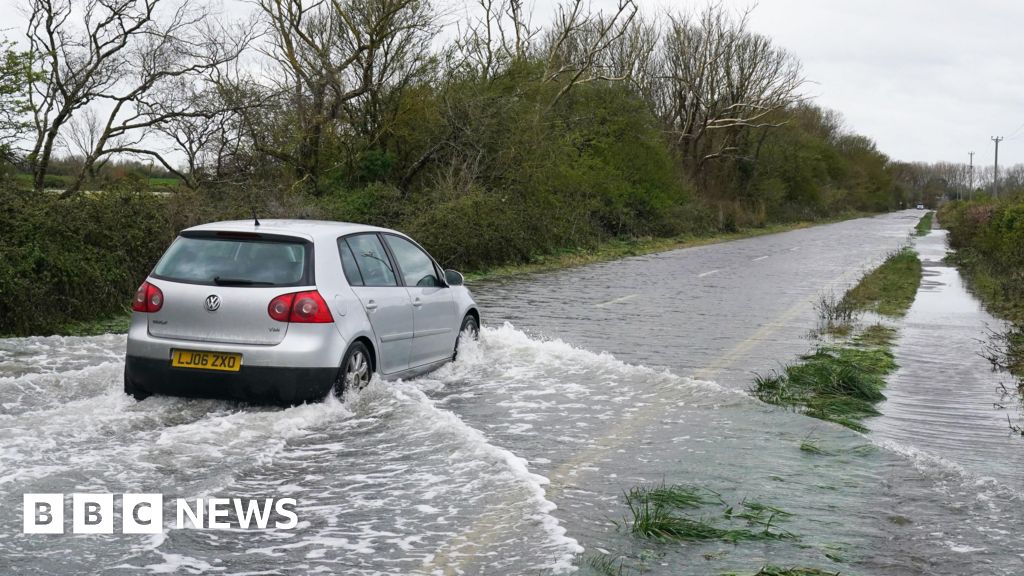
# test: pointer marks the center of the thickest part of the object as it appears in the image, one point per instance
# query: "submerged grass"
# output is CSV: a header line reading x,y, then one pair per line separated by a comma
x,y
838,384
674,496
812,447
794,571
605,565
890,288
876,336
658,513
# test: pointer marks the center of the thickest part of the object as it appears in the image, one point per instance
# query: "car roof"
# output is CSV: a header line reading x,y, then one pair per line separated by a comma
x,y
316,230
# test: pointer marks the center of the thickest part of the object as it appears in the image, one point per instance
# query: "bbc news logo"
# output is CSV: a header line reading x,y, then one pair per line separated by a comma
x,y
144,513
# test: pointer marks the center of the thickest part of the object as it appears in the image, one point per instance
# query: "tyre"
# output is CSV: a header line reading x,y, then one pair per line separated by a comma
x,y
470,329
131,390
356,369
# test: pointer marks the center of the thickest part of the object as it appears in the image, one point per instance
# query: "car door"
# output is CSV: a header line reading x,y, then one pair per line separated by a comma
x,y
387,303
434,314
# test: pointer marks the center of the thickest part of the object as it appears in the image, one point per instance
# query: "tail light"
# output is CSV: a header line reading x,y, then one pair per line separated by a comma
x,y
148,298
303,307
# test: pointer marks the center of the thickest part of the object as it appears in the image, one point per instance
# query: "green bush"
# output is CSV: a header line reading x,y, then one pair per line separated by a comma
x,y
376,204
74,260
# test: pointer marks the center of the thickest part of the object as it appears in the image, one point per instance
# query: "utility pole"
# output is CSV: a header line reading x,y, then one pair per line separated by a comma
x,y
995,173
970,188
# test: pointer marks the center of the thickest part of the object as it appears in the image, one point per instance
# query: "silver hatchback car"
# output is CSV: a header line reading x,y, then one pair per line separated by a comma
x,y
284,311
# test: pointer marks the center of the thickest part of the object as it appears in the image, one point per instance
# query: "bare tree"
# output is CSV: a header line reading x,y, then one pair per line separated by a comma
x,y
328,59
500,34
124,57
718,79
81,135
583,46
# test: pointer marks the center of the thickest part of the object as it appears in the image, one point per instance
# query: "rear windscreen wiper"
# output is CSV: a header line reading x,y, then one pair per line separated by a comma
x,y
239,282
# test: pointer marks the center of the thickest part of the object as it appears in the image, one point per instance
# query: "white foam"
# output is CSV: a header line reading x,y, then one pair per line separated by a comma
x,y
962,548
942,470
517,466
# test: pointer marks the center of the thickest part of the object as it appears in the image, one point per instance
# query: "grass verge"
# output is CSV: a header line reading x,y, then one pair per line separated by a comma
x,y
925,225
890,288
842,382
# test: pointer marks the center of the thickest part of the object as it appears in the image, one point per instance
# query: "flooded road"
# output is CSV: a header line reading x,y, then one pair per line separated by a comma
x,y
514,459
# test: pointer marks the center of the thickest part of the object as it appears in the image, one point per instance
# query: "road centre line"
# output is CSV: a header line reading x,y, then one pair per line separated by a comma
x,y
615,301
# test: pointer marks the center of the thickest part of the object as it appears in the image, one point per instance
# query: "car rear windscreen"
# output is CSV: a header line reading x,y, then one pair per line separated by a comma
x,y
235,262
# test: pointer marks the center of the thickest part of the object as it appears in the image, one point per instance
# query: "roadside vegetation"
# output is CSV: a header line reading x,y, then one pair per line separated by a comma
x,y
988,236
501,144
925,225
843,380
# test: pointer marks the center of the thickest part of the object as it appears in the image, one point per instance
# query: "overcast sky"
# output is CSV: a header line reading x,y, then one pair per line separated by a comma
x,y
927,80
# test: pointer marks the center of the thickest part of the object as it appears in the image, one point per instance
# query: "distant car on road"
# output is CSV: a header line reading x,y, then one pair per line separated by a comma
x,y
920,206
284,311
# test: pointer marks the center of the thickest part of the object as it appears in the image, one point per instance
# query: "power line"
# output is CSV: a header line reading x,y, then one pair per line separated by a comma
x,y
1015,134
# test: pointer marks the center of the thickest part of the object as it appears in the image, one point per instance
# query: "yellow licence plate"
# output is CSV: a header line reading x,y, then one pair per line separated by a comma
x,y
206,360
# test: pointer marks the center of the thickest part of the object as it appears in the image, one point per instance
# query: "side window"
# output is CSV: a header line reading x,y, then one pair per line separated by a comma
x,y
417,268
348,264
372,260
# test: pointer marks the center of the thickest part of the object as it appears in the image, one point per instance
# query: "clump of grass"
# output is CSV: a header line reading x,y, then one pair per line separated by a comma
x,y
890,288
794,571
876,336
603,564
924,226
673,496
658,513
838,384
812,447
836,315
757,513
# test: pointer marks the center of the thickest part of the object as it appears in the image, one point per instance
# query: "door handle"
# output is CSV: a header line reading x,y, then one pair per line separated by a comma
x,y
416,302
371,305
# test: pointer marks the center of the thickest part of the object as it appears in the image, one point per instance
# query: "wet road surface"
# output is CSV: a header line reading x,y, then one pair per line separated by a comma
x,y
513,460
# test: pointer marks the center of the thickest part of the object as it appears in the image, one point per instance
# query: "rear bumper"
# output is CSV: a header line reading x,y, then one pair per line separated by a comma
x,y
260,384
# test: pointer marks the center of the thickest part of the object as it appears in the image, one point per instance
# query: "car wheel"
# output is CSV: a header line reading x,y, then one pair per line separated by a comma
x,y
131,390
470,329
356,369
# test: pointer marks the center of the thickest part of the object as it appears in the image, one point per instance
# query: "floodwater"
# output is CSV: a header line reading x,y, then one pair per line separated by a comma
x,y
514,459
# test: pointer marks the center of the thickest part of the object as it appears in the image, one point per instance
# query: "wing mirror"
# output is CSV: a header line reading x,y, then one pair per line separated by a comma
x,y
454,278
